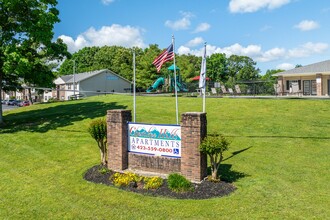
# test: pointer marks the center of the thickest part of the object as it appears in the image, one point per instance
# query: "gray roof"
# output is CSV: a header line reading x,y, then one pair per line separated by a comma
x,y
311,69
66,78
82,76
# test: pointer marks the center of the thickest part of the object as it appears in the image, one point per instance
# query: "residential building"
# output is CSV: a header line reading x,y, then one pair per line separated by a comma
x,y
88,84
310,80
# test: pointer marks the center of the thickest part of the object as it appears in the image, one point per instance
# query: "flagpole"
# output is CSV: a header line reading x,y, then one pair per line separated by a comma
x,y
204,89
134,95
175,85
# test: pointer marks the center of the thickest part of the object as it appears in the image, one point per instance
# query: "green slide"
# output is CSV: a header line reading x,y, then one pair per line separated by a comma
x,y
160,81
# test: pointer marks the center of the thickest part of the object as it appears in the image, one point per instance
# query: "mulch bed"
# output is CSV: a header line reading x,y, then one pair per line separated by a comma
x,y
205,190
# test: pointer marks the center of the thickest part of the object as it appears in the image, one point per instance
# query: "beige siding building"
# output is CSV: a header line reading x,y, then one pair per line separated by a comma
x,y
310,80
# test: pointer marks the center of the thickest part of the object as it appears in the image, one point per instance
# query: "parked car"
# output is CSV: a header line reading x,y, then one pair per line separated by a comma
x,y
24,103
18,102
11,102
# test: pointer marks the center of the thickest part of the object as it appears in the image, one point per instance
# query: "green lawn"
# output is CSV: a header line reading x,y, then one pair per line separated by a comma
x,y
278,160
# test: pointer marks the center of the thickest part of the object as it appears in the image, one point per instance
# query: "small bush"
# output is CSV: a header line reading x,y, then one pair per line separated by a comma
x,y
103,170
98,130
152,182
52,99
124,179
214,146
178,183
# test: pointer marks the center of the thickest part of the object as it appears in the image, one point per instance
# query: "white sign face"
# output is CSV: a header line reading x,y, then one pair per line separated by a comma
x,y
318,80
159,140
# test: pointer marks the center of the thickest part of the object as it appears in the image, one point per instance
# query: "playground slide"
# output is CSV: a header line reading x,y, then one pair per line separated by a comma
x,y
181,87
160,81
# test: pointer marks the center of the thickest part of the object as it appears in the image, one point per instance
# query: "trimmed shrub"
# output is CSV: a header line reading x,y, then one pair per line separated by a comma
x,y
178,183
214,146
98,130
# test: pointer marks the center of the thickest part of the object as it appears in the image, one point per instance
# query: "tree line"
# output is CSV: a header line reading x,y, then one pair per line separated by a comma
x,y
220,68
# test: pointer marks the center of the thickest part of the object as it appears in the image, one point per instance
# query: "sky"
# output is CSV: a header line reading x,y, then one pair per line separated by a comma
x,y
276,34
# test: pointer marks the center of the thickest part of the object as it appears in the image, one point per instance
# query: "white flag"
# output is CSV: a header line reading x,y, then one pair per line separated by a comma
x,y
202,76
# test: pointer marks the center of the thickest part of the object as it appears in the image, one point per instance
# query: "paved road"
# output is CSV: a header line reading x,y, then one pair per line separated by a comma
x,y
8,107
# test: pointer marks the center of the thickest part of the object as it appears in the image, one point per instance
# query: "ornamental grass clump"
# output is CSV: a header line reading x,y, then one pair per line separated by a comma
x,y
179,183
214,146
98,130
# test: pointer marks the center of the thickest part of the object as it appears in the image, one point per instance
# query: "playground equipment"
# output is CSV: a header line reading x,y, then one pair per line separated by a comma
x,y
169,82
159,82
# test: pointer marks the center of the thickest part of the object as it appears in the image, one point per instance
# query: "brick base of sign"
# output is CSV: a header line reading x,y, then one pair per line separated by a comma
x,y
193,130
192,164
117,138
157,164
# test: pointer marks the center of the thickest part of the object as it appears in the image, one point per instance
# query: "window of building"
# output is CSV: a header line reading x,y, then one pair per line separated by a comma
x,y
310,87
289,84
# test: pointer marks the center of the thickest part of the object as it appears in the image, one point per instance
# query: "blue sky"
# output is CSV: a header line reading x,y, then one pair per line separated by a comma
x,y
275,33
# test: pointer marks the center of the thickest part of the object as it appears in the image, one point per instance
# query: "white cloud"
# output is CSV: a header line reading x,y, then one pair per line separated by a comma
x,y
244,6
256,52
307,25
181,24
125,36
308,49
195,42
107,2
184,50
272,54
251,50
74,45
285,66
202,27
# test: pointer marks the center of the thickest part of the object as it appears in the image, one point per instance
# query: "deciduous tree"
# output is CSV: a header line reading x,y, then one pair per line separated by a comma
x,y
24,21
241,68
217,67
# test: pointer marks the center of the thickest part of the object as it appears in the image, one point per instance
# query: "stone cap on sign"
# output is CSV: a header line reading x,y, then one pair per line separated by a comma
x,y
193,119
124,115
193,113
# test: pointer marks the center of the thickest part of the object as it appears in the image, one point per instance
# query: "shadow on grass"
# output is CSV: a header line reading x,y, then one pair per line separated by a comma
x,y
227,174
53,117
236,152
282,136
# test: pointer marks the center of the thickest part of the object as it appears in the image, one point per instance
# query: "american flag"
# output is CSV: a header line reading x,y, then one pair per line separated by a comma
x,y
165,56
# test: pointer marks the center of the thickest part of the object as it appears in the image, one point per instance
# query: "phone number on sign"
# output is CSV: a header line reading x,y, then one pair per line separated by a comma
x,y
167,150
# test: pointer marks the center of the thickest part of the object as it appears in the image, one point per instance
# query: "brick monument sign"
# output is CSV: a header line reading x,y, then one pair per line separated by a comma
x,y
191,163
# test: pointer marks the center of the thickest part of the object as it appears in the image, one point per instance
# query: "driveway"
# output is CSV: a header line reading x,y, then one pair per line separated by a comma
x,y
8,107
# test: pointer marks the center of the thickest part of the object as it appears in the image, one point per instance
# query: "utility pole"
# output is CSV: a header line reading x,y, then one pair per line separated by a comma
x,y
74,78
134,82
